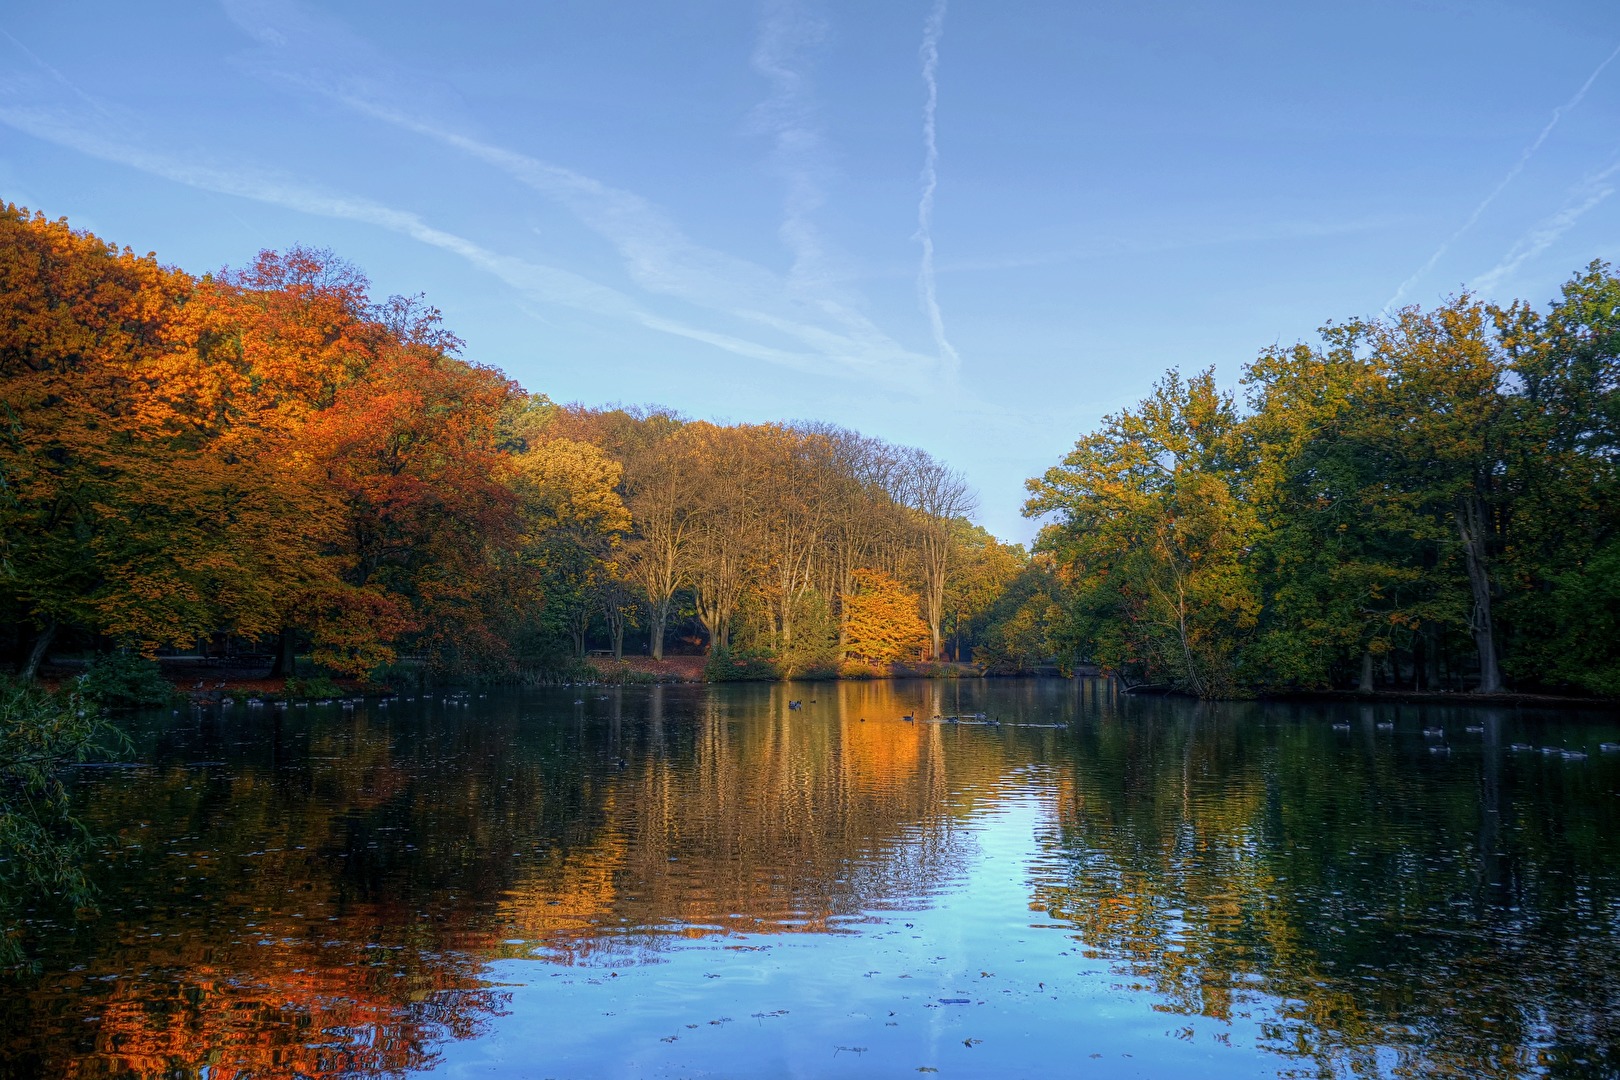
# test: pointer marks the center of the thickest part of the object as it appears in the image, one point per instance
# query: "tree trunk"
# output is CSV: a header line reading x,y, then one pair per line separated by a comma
x,y
580,625
1366,686
660,616
37,654
285,666
1470,515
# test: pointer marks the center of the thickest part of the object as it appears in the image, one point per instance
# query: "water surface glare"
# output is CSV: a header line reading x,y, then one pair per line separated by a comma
x,y
702,881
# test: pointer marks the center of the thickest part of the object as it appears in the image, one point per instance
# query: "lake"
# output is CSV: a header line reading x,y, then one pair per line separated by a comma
x,y
686,881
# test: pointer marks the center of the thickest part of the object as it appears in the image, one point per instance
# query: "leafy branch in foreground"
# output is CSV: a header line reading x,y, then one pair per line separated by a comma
x,y
43,848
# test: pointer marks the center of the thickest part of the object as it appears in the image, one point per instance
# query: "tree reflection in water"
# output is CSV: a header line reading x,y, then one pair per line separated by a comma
x,y
1456,916
323,894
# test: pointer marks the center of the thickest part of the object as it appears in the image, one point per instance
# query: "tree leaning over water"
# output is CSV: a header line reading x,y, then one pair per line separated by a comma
x,y
1425,501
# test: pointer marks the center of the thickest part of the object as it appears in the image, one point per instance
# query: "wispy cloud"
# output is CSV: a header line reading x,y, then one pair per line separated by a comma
x,y
1591,191
927,292
102,134
787,36
317,54
783,54
1512,174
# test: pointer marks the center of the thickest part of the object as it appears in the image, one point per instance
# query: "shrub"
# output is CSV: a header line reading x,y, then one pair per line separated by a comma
x,y
124,680
727,664
316,686
618,673
566,671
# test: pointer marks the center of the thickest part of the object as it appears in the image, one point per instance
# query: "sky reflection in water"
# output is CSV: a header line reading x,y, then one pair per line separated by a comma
x,y
684,881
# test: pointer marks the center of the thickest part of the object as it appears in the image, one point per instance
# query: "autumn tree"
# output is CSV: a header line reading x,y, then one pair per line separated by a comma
x,y
881,624
572,519
984,570
659,485
938,496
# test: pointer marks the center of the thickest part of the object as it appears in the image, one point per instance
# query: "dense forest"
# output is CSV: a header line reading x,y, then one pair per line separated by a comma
x,y
1425,501
268,459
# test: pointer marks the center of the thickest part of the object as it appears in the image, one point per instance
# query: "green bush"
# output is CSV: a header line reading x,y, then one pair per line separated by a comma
x,y
124,680
316,686
727,664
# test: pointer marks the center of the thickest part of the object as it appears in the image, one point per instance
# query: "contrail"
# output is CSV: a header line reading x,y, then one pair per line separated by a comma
x,y
1518,167
932,30
1587,194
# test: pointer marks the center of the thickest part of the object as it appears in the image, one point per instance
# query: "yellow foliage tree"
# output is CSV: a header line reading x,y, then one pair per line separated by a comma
x,y
881,623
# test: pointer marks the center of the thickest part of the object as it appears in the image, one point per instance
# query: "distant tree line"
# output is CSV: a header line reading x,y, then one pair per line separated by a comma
x,y
1423,501
807,548
269,456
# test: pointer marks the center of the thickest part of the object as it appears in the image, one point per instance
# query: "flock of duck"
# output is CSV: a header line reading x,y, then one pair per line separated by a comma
x,y
465,698
979,719
1444,747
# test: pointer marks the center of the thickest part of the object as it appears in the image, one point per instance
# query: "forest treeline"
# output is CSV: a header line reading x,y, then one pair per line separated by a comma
x,y
1426,500
268,456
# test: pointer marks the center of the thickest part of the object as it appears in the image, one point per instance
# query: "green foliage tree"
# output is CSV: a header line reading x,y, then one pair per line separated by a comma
x,y
1151,533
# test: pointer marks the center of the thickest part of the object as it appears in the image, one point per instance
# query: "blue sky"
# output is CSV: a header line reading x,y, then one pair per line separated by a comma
x,y
974,228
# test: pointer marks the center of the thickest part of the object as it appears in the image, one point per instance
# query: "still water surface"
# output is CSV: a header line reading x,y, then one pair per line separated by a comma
x,y
700,881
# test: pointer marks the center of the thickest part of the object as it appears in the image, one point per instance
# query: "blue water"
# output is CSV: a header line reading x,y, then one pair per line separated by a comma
x,y
700,881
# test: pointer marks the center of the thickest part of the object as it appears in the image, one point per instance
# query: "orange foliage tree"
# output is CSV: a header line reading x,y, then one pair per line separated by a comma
x,y
270,454
881,621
